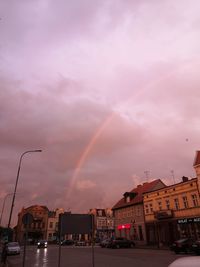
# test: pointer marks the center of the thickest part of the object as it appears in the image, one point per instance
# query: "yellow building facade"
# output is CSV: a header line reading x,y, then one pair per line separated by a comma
x,y
172,212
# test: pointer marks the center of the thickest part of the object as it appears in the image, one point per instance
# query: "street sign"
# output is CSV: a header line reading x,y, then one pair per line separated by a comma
x,y
27,218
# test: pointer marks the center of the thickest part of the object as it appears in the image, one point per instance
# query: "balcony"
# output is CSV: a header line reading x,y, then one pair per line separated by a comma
x,y
163,214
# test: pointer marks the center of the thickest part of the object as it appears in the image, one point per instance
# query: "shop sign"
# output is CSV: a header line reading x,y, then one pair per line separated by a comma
x,y
124,226
163,214
189,220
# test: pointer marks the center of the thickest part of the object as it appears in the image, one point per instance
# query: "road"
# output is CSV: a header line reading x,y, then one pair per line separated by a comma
x,y
82,256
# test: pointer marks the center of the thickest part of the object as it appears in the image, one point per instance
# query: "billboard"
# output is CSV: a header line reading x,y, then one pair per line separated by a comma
x,y
75,223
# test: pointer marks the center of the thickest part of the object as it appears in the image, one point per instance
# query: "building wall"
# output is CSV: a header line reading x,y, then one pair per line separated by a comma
x,y
52,226
103,223
38,228
129,223
166,209
197,169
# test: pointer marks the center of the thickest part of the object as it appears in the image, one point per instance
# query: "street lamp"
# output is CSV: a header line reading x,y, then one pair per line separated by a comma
x,y
4,201
18,171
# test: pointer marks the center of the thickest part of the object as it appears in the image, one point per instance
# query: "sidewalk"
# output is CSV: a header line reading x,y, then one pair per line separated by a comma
x,y
161,247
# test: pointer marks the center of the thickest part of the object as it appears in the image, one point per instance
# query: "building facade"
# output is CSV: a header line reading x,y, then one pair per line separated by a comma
x,y
52,225
172,212
38,228
129,212
103,223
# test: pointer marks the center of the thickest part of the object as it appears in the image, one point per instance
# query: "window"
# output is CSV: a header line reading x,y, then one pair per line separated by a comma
x,y
146,209
128,199
138,211
167,204
99,212
51,225
176,204
151,208
185,202
159,205
194,200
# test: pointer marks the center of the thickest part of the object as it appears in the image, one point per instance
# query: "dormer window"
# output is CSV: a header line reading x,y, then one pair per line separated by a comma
x,y
128,196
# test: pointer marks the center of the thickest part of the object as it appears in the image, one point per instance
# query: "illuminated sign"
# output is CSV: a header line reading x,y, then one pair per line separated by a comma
x,y
124,226
189,220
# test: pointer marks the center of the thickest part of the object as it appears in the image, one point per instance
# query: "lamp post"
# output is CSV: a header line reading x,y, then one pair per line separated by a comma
x,y
16,182
4,201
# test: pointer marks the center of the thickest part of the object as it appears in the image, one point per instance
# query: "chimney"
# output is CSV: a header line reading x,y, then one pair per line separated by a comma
x,y
185,179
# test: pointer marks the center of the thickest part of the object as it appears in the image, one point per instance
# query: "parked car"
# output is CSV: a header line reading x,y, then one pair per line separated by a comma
x,y
105,243
80,243
182,245
42,244
67,242
196,247
121,242
193,261
13,248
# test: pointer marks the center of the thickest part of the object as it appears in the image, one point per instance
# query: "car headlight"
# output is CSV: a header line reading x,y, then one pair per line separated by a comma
x,y
38,243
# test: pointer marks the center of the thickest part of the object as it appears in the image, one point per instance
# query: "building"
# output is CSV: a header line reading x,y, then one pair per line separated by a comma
x,y
196,166
172,212
103,223
52,225
129,212
38,228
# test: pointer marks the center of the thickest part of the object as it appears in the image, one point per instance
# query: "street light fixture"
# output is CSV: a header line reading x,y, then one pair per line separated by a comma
x,y
16,182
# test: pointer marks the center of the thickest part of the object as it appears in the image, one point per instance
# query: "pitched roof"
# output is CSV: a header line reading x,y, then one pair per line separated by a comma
x,y
197,159
139,190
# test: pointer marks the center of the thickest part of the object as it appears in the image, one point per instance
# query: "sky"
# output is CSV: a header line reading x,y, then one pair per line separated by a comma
x,y
108,89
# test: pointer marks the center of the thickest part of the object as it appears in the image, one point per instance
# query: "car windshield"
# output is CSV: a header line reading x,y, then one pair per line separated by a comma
x,y
13,244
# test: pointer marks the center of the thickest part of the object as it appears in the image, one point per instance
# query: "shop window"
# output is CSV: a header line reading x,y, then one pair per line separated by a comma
x,y
185,202
176,204
194,200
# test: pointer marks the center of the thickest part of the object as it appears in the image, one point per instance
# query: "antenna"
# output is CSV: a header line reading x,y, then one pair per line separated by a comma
x,y
147,175
172,173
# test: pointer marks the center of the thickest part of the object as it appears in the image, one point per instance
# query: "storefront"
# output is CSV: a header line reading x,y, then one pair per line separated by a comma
x,y
189,227
165,232
125,230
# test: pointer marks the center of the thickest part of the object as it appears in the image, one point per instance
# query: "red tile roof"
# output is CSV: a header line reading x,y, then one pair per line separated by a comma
x,y
139,190
197,159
